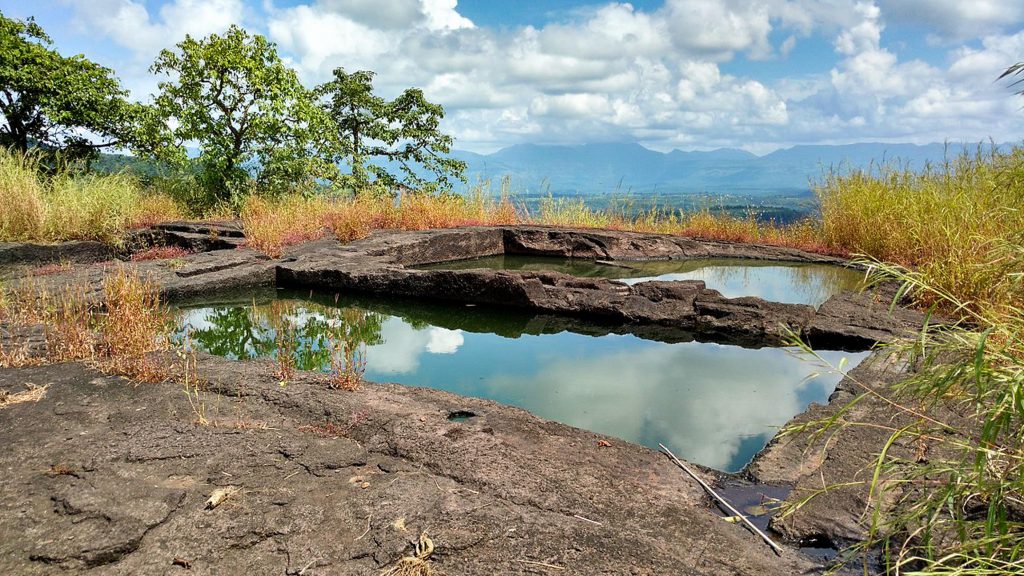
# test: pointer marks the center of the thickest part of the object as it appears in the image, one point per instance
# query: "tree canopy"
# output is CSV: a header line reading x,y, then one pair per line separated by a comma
x,y
57,102
375,136
253,120
256,127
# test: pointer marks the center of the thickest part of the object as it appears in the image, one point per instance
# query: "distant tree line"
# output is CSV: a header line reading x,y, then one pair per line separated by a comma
x,y
257,129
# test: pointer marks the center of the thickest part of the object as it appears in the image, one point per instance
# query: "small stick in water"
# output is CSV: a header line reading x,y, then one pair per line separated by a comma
x,y
722,501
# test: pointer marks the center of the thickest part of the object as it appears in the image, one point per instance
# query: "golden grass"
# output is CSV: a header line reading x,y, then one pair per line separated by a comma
x,y
23,213
135,324
71,206
952,223
116,335
273,224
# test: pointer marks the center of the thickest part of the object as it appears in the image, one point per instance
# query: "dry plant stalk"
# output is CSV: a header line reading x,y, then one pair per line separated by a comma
x,y
219,496
348,364
189,376
68,325
33,394
416,565
284,338
135,325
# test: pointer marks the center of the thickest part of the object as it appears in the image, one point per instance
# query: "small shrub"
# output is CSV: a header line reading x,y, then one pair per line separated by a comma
x,y
135,324
348,365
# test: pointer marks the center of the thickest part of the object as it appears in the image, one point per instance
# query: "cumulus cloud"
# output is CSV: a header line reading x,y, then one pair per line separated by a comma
x,y
704,400
957,19
665,76
130,23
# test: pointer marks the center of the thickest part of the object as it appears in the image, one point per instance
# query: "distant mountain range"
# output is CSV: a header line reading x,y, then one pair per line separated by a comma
x,y
620,168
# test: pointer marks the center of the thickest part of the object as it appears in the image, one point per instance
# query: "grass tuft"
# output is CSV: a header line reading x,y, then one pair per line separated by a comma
x,y
73,206
135,324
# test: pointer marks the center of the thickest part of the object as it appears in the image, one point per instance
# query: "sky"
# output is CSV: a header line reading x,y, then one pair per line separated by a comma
x,y
686,74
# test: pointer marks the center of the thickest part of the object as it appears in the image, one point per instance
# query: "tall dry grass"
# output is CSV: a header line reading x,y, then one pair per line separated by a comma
x,y
116,334
946,221
73,206
273,224
21,192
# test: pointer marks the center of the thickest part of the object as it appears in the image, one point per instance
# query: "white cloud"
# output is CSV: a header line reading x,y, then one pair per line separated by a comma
x,y
319,38
720,28
660,76
131,25
703,400
444,341
958,19
393,14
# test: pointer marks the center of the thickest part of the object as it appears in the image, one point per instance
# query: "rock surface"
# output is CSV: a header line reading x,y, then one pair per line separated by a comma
x,y
104,477
13,253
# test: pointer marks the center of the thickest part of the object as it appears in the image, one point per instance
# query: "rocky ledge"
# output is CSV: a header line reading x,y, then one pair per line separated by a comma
x,y
104,477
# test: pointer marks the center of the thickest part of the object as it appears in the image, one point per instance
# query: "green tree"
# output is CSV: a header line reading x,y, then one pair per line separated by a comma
x,y
373,136
256,125
64,103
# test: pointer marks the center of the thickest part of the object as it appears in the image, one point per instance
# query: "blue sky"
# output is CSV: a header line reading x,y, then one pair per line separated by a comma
x,y
687,74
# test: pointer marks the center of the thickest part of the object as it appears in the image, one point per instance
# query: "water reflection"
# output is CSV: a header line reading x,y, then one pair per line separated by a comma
x,y
788,282
714,404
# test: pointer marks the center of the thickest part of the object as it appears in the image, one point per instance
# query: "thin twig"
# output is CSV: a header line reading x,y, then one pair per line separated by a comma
x,y
368,518
306,567
552,566
587,519
723,502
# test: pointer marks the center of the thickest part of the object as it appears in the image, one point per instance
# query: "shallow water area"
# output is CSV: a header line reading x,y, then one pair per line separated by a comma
x,y
787,282
713,404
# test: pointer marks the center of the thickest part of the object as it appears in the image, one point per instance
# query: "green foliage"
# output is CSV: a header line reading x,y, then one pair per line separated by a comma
x,y
47,98
1015,70
255,123
372,132
947,487
313,331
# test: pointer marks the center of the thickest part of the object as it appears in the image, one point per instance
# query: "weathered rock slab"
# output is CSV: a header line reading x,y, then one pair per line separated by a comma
x,y
104,477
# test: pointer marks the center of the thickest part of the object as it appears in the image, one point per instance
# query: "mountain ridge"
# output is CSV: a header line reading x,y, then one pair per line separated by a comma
x,y
629,167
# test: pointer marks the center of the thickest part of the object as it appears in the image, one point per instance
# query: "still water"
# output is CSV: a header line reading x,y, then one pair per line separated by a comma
x,y
788,282
713,404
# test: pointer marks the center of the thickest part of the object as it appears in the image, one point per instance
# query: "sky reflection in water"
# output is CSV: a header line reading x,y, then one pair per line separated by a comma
x,y
788,282
713,404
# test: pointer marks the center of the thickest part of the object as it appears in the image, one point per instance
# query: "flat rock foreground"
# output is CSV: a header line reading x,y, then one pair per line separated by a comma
x,y
99,475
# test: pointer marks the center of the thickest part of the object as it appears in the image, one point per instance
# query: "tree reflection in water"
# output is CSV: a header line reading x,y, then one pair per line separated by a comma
x,y
314,330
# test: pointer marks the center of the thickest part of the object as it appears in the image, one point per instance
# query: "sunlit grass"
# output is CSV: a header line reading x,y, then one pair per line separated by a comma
x,y
947,222
73,206
115,334
23,213
273,224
